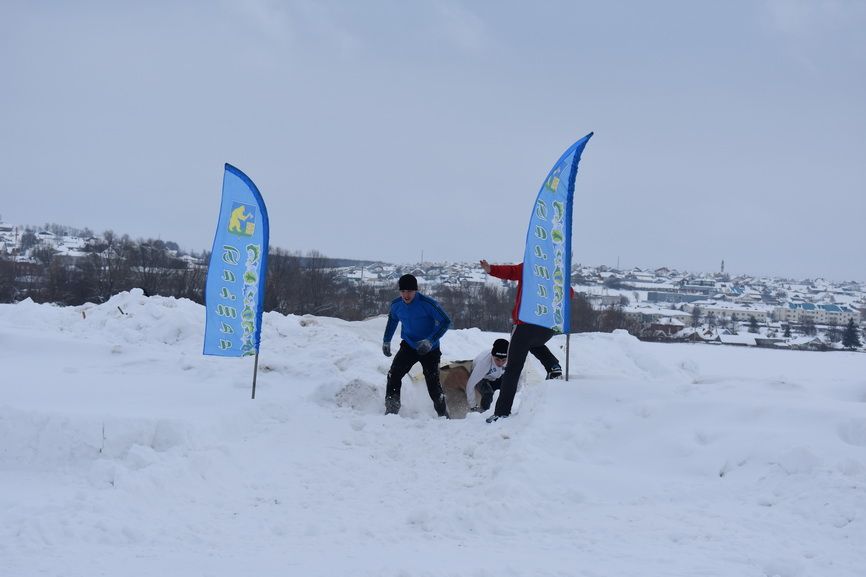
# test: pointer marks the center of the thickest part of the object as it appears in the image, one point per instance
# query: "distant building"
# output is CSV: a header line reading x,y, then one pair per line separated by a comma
x,y
805,343
603,301
741,312
663,329
738,340
820,314
705,287
647,315
672,297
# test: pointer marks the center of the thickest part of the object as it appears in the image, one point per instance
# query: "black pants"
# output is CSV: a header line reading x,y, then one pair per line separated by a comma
x,y
524,339
543,354
404,360
486,388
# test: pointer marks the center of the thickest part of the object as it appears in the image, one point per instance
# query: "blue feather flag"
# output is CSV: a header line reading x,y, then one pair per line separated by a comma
x,y
547,258
235,286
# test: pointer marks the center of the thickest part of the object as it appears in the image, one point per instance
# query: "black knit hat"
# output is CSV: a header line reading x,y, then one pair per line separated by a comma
x,y
500,349
408,282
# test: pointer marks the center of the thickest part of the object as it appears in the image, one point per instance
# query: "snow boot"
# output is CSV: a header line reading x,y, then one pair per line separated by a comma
x,y
441,407
392,405
555,372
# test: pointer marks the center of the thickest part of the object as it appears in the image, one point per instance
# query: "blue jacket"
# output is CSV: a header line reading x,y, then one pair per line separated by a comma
x,y
421,319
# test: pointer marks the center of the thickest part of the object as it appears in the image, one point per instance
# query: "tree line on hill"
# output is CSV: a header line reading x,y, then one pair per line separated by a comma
x,y
296,284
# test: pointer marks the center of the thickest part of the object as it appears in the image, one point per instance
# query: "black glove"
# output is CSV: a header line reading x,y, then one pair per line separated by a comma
x,y
386,349
424,347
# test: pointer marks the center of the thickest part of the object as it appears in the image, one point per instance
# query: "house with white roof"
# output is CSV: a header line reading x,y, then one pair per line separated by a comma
x,y
742,340
805,343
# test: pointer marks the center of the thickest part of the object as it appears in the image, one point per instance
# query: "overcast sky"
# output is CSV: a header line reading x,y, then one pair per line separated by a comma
x,y
380,129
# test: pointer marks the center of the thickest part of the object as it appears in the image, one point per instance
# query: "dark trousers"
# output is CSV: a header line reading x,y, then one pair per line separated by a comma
x,y
543,354
524,339
404,360
486,388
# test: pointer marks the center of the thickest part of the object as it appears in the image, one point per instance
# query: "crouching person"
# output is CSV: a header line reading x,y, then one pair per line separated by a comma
x,y
422,324
486,376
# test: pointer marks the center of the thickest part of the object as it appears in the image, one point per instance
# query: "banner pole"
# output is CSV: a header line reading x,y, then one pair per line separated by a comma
x,y
567,355
255,373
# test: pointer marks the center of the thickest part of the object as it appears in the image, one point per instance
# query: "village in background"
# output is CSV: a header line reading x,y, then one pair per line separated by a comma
x,y
66,266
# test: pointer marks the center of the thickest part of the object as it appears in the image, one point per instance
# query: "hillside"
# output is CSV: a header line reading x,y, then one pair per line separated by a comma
x,y
124,451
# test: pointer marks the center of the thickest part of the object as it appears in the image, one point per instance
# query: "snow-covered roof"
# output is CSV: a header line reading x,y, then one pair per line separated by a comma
x,y
668,321
745,339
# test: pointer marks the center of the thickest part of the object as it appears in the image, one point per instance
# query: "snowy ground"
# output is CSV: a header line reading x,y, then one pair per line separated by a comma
x,y
124,451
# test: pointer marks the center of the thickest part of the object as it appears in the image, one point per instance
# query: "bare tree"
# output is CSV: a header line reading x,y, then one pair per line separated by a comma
x,y
833,334
28,239
696,316
7,280
44,254
110,262
583,316
281,289
317,285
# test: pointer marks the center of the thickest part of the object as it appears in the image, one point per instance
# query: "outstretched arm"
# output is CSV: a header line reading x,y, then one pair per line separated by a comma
x,y
506,271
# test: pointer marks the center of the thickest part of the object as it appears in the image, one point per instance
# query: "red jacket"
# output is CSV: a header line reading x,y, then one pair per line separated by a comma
x,y
514,272
511,272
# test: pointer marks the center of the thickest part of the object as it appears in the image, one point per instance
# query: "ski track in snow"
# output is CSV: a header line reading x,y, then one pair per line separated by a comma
x,y
125,451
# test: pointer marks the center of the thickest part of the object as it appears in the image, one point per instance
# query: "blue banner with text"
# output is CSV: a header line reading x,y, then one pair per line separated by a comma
x,y
547,258
235,287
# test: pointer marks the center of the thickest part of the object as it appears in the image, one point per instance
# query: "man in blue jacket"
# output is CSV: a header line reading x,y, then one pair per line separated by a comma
x,y
423,322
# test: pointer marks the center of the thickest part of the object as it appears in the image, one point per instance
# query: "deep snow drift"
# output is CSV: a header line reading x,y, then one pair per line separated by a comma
x,y
124,451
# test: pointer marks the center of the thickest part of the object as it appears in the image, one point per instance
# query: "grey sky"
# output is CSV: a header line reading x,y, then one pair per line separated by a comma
x,y
380,129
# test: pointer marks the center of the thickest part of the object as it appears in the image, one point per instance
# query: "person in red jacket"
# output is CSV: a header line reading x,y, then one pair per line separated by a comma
x,y
525,338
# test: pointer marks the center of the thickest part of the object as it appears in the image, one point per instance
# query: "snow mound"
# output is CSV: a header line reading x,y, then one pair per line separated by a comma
x,y
123,450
